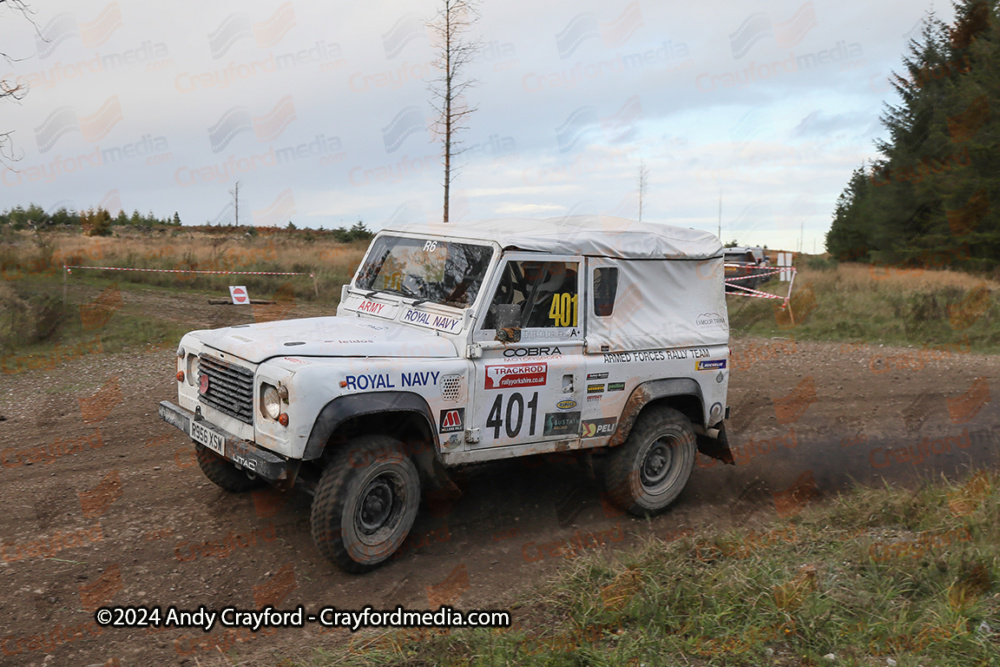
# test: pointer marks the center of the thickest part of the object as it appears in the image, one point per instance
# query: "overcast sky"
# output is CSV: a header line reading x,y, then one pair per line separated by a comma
x,y
321,110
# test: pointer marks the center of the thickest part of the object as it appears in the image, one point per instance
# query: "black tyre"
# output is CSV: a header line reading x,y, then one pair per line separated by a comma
x,y
365,503
644,475
224,473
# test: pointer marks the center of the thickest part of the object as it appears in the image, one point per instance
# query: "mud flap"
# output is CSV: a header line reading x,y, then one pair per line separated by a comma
x,y
717,448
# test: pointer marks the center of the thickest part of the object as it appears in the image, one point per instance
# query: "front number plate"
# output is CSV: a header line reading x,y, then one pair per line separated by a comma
x,y
214,441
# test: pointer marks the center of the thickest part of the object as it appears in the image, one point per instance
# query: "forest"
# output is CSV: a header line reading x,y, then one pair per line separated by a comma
x,y
926,200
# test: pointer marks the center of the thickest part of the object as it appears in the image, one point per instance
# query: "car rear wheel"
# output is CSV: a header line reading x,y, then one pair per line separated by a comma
x,y
647,473
365,503
223,473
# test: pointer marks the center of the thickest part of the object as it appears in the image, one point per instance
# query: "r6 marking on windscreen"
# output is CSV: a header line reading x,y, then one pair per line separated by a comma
x,y
513,419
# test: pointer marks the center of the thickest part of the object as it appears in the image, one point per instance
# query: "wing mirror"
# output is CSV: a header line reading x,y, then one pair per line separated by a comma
x,y
508,318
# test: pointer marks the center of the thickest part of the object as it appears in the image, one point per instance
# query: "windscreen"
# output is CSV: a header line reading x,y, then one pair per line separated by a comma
x,y
441,272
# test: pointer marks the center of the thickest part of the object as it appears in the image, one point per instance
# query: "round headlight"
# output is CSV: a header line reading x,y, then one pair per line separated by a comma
x,y
270,402
192,369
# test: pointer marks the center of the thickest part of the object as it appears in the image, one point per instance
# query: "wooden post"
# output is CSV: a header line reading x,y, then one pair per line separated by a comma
x,y
315,285
65,272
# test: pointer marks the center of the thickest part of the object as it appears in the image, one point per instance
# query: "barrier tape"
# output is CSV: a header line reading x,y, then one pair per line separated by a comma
x,y
749,291
69,269
757,273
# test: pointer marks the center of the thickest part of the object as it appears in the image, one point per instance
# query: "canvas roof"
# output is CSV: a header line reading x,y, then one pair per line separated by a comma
x,y
592,235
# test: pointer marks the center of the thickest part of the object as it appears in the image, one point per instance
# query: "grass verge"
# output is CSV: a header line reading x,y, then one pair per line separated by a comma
x,y
873,576
331,264
853,302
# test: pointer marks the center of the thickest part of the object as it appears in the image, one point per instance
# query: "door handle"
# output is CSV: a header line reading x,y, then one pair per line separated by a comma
x,y
567,384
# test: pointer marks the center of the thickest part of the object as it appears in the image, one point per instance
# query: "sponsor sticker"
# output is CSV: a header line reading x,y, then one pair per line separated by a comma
x,y
616,386
568,404
431,321
597,376
593,428
516,375
596,398
381,309
452,420
710,320
561,423
710,364
531,352
595,388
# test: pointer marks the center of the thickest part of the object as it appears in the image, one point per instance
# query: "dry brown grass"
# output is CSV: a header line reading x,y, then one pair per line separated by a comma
x,y
864,277
25,255
891,305
229,252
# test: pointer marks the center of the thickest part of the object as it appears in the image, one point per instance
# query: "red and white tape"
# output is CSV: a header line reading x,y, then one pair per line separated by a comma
x,y
757,273
749,291
228,273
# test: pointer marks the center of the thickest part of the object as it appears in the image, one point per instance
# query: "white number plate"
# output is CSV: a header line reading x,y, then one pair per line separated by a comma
x,y
214,441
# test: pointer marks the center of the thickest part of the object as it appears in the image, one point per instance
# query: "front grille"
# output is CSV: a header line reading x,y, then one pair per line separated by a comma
x,y
230,387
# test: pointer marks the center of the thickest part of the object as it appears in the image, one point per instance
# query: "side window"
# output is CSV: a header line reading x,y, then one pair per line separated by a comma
x,y
547,293
605,290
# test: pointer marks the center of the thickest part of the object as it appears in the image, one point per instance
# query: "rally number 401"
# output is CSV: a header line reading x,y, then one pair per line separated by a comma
x,y
563,310
511,420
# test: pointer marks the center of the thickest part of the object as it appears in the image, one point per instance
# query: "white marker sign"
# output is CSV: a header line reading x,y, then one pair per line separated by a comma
x,y
239,294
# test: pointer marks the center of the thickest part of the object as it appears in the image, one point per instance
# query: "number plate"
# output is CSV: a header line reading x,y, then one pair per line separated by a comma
x,y
214,441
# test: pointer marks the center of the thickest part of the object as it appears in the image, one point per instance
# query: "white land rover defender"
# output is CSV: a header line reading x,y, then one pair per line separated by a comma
x,y
468,342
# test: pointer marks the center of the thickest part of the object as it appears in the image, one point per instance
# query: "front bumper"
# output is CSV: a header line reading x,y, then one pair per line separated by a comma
x,y
244,454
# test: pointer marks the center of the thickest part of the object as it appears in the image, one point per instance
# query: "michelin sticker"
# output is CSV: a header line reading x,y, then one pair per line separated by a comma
x,y
710,365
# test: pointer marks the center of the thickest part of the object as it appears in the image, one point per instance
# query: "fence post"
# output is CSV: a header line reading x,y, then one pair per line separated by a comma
x,y
65,271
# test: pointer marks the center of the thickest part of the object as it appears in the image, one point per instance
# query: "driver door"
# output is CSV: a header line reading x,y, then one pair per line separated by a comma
x,y
531,390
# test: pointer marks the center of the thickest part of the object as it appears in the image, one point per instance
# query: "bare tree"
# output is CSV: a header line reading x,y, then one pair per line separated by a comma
x,y
235,192
456,50
643,181
12,89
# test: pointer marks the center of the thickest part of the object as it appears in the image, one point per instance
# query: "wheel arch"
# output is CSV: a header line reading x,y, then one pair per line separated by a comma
x,y
681,394
347,416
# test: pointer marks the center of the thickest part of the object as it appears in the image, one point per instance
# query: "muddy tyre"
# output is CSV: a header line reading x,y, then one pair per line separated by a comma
x,y
223,473
365,503
649,471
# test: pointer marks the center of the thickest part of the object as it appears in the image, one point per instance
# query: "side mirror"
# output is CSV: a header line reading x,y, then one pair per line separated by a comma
x,y
508,318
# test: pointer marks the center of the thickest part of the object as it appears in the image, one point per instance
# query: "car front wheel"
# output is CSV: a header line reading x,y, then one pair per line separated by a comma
x,y
365,503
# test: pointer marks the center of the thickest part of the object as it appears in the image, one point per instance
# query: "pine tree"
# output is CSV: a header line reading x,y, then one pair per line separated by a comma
x,y
928,196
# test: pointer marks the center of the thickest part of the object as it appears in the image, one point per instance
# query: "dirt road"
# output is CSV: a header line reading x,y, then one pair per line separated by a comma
x,y
103,503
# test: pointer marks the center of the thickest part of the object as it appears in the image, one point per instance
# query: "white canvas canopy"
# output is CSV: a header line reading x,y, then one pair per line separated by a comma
x,y
592,235
660,304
